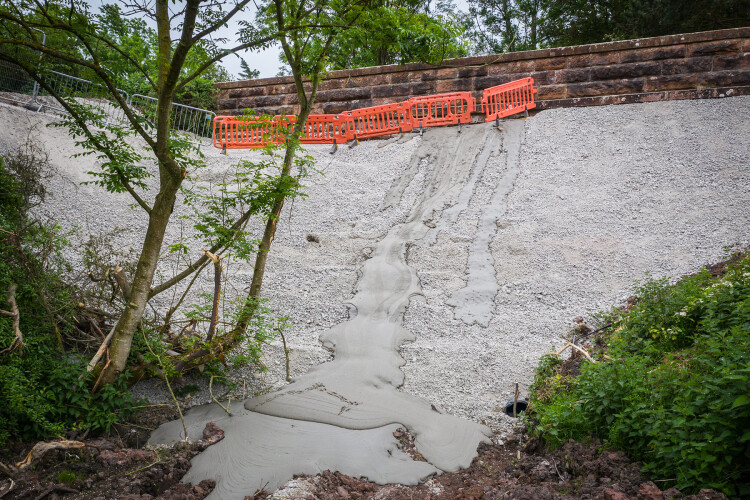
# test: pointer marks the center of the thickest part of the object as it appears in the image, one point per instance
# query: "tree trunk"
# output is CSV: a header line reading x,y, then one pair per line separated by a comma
x,y
270,231
131,316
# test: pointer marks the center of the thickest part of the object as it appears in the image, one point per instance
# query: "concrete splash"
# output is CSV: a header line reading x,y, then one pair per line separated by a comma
x,y
475,302
341,414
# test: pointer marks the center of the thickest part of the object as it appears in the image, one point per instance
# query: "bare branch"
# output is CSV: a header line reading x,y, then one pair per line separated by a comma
x,y
201,261
217,294
18,342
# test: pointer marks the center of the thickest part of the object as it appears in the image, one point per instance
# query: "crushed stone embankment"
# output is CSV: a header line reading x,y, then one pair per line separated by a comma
x,y
596,197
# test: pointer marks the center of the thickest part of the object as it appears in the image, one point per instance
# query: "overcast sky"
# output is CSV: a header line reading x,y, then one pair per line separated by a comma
x,y
266,61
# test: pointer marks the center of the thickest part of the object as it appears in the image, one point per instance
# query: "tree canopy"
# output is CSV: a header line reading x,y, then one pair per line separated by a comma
x,y
509,25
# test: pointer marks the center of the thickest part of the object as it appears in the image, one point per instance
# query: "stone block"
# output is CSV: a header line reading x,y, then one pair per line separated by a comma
x,y
526,66
714,48
486,82
550,63
735,61
345,94
653,54
724,78
392,91
572,75
625,71
446,73
269,100
690,65
472,72
625,86
420,88
281,89
544,77
598,59
332,84
400,77
551,92
671,82
425,76
454,85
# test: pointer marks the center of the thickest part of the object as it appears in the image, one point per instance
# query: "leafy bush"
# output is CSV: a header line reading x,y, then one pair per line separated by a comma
x,y
676,396
41,395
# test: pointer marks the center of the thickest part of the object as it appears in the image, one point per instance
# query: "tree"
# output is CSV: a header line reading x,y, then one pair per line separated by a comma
x,y
496,26
507,25
247,72
306,30
194,22
389,34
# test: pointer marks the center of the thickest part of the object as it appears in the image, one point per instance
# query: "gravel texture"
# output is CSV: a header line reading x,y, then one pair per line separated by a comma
x,y
602,196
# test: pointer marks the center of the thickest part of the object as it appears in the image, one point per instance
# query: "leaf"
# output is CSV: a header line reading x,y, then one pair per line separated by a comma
x,y
741,401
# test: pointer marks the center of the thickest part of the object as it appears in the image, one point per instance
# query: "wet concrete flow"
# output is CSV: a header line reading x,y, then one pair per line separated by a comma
x,y
341,415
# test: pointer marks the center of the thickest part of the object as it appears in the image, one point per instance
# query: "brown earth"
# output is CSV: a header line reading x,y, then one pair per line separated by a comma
x,y
107,468
122,468
512,470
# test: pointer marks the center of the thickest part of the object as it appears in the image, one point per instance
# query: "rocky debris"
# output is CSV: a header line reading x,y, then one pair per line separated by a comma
x,y
507,471
105,470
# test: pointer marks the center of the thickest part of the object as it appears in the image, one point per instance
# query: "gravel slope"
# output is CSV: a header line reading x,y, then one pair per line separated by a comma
x,y
602,195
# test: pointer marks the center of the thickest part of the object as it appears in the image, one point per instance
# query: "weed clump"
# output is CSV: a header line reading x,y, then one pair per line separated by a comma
x,y
673,388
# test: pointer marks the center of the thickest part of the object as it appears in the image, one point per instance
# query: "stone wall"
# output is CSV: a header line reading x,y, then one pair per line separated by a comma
x,y
689,66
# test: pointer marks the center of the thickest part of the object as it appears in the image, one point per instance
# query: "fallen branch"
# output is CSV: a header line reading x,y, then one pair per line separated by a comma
x,y
286,353
5,490
41,449
100,352
211,392
583,351
579,349
13,313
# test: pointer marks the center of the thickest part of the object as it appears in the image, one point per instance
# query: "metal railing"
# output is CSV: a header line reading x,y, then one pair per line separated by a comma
x,y
194,121
83,92
16,86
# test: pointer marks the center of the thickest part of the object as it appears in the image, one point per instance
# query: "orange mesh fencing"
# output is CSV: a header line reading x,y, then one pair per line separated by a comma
x,y
250,133
380,120
425,111
325,129
442,109
510,98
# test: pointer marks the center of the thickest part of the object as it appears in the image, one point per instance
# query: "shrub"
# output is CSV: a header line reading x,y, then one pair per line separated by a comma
x,y
41,395
676,395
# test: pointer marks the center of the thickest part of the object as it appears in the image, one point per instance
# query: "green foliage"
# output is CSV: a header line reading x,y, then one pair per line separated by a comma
x,y
676,395
247,72
509,25
137,43
250,188
41,395
392,34
119,163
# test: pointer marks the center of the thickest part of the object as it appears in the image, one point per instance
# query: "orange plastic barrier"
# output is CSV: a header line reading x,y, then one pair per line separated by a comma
x,y
442,109
249,133
325,129
508,99
426,111
380,120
